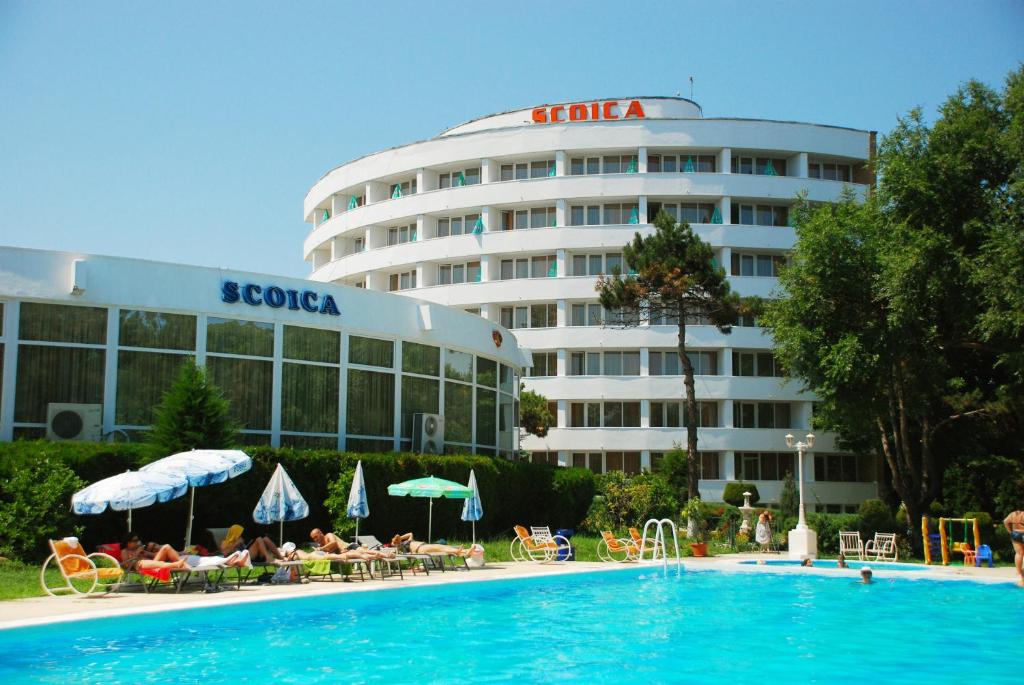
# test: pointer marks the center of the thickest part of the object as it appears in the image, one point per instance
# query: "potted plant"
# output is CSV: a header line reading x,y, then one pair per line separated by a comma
x,y
696,526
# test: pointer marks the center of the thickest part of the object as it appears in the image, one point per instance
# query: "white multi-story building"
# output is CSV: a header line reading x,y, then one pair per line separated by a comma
x,y
513,217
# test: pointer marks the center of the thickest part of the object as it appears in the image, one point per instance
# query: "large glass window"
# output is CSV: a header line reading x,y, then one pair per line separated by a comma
x,y
371,403
233,336
371,351
157,330
486,372
309,398
761,415
248,386
421,359
458,412
458,366
62,323
419,396
142,380
486,425
312,344
56,374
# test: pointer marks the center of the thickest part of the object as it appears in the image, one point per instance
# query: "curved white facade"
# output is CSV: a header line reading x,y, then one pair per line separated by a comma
x,y
513,216
303,364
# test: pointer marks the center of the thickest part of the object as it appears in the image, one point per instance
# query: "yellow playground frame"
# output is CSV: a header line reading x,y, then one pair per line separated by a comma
x,y
944,538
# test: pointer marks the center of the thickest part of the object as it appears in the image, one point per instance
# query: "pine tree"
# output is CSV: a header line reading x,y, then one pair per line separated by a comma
x,y
193,414
789,500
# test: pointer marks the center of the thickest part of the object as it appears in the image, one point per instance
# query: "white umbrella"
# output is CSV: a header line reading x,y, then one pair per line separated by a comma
x,y
201,467
280,501
128,490
473,509
358,506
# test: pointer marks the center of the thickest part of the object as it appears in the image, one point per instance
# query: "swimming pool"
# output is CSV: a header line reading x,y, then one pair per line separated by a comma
x,y
831,563
628,626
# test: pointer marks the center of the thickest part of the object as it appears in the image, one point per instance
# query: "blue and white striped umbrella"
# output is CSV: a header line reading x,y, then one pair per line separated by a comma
x,y
358,506
127,491
280,502
201,467
473,509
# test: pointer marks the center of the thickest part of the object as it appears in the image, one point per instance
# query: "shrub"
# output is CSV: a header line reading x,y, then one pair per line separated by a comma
x,y
192,414
789,498
626,501
733,493
828,527
875,517
34,508
674,469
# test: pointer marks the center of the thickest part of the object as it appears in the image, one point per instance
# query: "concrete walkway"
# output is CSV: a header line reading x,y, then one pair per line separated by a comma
x,y
42,610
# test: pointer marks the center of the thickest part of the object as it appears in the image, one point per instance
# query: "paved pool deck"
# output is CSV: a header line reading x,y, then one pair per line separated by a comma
x,y
43,610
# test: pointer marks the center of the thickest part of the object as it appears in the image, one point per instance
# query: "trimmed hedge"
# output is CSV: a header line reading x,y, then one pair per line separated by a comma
x,y
733,493
512,492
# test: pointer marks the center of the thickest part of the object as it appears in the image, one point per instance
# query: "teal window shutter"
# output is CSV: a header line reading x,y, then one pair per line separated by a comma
x,y
769,169
327,215
461,179
478,227
632,168
553,269
551,170
634,216
352,204
716,216
412,234
397,192
688,167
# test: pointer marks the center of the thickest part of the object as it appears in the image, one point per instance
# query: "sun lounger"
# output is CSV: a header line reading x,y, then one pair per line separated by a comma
x,y
82,573
426,561
611,548
541,546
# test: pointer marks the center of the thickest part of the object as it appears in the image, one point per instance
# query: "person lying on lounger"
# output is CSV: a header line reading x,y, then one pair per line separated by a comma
x,y
137,557
238,559
406,543
347,555
327,542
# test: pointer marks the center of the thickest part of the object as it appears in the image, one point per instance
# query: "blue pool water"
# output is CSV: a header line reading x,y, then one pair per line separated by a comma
x,y
831,563
628,626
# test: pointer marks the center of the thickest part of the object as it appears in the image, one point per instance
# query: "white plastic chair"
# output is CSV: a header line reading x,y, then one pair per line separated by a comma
x,y
850,544
882,548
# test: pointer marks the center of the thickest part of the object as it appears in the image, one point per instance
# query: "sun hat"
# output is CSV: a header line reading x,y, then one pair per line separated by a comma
x,y
288,547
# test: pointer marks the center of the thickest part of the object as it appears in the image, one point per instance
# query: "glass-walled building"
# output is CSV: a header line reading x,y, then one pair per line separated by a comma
x,y
303,364
514,216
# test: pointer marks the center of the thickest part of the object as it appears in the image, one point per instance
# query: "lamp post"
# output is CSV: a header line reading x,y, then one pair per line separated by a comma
x,y
803,541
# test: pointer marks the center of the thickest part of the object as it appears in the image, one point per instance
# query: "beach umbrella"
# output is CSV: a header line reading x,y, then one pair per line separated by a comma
x,y
473,509
280,501
358,507
201,468
433,488
127,491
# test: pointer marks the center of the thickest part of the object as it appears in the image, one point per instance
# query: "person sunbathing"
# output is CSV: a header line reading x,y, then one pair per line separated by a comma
x,y
347,555
238,559
406,543
137,557
265,549
327,542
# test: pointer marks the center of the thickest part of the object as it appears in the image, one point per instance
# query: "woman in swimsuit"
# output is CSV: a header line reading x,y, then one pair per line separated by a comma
x,y
406,543
1014,524
135,557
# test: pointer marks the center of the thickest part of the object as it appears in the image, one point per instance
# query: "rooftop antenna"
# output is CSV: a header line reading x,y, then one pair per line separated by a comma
x,y
691,87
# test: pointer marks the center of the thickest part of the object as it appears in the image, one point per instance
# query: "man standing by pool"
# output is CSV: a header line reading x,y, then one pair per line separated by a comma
x,y
1015,525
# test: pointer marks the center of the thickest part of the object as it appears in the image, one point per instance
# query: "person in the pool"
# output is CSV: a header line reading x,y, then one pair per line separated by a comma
x,y
1014,524
406,543
138,557
841,561
865,576
807,562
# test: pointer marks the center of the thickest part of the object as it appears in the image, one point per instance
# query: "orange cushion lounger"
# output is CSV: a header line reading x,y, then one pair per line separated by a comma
x,y
611,548
527,547
80,571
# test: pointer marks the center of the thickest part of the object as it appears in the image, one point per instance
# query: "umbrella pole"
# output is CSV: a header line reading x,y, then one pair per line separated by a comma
x,y
129,519
474,533
280,534
430,521
357,530
188,526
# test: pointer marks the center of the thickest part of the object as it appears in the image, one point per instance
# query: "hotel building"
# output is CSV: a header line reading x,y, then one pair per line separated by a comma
x,y
513,216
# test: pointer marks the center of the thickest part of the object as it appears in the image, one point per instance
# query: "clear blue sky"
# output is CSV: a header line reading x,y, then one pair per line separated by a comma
x,y
191,133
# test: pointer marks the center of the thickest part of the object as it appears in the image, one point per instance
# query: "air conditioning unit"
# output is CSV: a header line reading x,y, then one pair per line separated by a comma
x,y
428,433
66,421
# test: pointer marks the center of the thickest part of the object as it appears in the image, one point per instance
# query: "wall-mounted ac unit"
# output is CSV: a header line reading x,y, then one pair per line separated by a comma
x,y
65,421
428,433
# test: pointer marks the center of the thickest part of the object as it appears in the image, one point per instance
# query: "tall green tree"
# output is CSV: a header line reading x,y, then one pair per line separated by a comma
x,y
892,314
193,414
534,416
673,277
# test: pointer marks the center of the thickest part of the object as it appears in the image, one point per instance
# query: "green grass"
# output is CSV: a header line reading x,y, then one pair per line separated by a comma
x,y
18,580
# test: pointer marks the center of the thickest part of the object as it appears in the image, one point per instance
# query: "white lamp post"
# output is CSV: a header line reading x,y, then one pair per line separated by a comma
x,y
803,541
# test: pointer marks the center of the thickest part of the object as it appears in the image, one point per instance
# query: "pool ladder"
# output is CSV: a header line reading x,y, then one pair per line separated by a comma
x,y
659,548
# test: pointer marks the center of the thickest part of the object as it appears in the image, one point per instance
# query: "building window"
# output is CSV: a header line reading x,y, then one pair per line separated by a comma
x,y
463,177
514,268
468,272
397,190
756,364
681,162
543,266
762,265
402,281
690,212
456,225
545,364
585,315
672,414
604,414
759,215
829,171
580,166
760,166
402,234
761,415
764,465
597,264
667,363
515,317
843,468
543,315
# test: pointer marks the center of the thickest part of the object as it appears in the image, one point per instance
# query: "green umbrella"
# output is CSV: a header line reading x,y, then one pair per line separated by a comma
x,y
431,487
